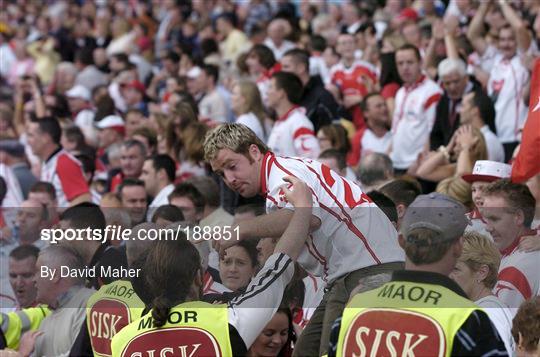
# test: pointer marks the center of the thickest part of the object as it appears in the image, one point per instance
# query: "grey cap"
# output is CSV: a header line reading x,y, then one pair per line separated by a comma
x,y
437,212
12,147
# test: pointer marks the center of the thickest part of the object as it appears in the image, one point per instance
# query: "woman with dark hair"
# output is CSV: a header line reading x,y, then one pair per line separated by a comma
x,y
238,265
277,338
170,286
261,65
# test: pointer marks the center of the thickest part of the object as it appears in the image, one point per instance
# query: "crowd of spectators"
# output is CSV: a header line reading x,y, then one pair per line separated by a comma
x,y
110,115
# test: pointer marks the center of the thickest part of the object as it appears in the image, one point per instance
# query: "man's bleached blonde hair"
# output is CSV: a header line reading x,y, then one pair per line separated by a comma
x,y
235,137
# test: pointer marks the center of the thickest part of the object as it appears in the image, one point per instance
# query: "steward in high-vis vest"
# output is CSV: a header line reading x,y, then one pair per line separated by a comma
x,y
420,311
180,325
114,305
109,310
15,323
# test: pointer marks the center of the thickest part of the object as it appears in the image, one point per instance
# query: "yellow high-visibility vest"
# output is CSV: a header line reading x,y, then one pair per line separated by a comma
x,y
403,318
110,309
15,323
193,328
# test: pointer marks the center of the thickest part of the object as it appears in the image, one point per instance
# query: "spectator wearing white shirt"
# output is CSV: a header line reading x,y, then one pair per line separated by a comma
x,y
247,105
414,113
376,137
158,174
507,77
477,110
79,98
277,31
292,134
508,210
212,105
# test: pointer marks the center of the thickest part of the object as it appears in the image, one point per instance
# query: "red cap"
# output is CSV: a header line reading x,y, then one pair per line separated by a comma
x,y
137,85
408,14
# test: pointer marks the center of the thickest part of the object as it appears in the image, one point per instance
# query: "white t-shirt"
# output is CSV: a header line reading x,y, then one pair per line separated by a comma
x,y
369,142
413,120
507,81
501,316
293,135
494,147
162,198
251,121
213,107
354,232
279,51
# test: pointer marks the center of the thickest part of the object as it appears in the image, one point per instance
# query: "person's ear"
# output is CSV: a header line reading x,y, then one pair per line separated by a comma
x,y
401,209
519,217
255,153
482,272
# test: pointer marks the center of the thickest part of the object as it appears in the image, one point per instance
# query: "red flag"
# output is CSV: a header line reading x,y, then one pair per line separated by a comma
x,y
527,162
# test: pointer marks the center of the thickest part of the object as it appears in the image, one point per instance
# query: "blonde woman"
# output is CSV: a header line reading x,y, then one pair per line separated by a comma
x,y
458,189
476,273
457,158
247,105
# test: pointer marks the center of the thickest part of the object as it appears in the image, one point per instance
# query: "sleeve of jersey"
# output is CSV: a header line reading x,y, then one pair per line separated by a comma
x,y
305,142
276,197
250,312
513,286
71,177
430,108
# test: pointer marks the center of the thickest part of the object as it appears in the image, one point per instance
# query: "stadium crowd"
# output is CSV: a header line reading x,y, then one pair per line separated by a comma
x,y
333,178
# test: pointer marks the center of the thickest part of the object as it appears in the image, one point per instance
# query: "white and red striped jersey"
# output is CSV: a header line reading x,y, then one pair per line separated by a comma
x,y
354,232
293,135
414,115
519,275
507,81
65,173
313,294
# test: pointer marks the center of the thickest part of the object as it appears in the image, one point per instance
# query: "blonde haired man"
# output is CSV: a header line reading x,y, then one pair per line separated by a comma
x,y
348,241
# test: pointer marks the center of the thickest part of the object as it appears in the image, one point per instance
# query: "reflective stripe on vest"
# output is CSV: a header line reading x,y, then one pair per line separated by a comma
x,y
192,329
403,318
15,323
109,310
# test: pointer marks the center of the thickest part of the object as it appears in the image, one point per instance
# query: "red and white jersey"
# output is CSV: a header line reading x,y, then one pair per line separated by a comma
x,y
352,81
414,116
65,173
313,294
293,135
519,275
507,81
354,232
